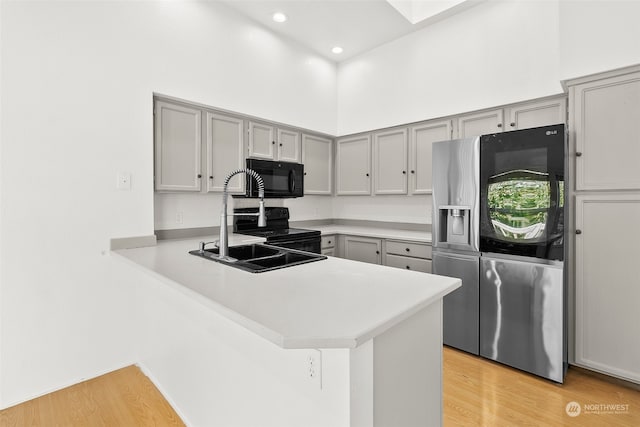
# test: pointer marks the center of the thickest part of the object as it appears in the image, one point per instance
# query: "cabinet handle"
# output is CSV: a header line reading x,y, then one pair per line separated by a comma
x,y
273,142
512,124
329,241
280,145
413,171
367,174
408,268
211,177
404,172
377,252
305,174
199,175
578,154
578,231
499,125
407,249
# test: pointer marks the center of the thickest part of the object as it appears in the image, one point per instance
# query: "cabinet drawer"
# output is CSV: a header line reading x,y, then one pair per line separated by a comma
x,y
416,250
329,252
408,263
328,241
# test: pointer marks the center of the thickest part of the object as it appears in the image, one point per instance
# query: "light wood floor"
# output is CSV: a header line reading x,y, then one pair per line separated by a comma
x,y
477,392
123,398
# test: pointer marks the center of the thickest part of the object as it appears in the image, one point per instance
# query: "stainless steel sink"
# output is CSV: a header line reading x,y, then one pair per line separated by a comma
x,y
245,252
257,258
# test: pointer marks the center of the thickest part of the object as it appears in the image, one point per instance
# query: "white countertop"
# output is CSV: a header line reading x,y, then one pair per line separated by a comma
x,y
333,303
375,232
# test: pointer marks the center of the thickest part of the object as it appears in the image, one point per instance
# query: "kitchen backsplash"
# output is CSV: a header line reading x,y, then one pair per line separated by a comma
x,y
179,210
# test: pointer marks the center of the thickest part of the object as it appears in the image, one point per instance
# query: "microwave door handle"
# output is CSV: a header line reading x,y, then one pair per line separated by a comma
x,y
292,181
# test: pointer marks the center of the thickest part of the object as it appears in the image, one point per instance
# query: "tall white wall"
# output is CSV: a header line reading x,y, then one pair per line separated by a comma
x,y
77,80
598,36
495,53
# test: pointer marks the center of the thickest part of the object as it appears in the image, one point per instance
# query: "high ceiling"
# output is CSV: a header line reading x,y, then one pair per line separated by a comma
x,y
355,25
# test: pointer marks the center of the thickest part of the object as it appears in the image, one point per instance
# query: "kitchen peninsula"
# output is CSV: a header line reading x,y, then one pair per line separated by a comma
x,y
333,342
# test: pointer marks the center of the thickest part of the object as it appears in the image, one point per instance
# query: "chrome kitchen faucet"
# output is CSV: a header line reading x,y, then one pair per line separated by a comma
x,y
262,218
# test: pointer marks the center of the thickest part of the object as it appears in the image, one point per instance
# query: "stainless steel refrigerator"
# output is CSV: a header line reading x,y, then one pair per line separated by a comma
x,y
498,224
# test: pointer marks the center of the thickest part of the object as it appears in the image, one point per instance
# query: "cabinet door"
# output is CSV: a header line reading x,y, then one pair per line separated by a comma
x,y
288,146
317,157
608,284
480,123
390,162
607,133
225,151
363,249
177,147
535,114
353,166
421,138
262,141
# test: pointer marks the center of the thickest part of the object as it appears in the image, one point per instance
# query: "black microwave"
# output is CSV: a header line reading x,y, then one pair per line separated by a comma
x,y
281,179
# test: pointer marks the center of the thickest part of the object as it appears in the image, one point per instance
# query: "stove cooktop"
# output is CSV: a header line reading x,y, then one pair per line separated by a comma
x,y
277,225
285,233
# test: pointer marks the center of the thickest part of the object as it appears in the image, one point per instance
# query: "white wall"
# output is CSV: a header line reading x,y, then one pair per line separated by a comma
x,y
495,53
598,36
77,80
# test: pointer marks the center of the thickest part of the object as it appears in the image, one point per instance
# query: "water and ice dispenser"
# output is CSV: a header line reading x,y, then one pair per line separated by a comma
x,y
454,224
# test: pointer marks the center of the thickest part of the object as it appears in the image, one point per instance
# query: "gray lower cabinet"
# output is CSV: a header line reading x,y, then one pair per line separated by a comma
x,y
408,255
328,245
607,284
363,249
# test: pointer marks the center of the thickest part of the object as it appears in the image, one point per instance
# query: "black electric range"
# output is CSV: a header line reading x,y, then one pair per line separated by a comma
x,y
277,231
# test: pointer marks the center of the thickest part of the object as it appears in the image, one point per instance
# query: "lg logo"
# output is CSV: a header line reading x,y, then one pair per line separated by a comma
x,y
573,409
552,132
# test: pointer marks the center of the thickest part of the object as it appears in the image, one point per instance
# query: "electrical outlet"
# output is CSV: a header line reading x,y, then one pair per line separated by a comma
x,y
179,218
314,367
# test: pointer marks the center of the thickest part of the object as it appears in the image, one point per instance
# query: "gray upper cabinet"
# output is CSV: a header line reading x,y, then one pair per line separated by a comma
x,y
177,147
353,166
421,137
317,157
606,126
225,151
535,114
481,123
525,115
262,141
288,146
271,143
390,162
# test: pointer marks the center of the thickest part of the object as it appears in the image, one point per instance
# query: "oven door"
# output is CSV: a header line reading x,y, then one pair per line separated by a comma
x,y
522,192
311,244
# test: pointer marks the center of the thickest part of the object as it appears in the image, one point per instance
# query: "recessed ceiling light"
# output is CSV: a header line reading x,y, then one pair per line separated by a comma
x,y
279,17
337,49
